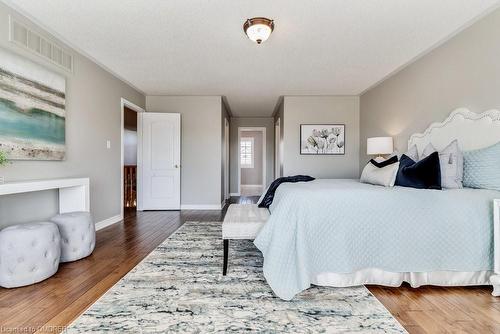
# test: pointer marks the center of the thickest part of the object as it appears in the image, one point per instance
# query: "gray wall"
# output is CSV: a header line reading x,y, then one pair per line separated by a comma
x,y
93,116
253,176
321,109
201,149
463,72
268,123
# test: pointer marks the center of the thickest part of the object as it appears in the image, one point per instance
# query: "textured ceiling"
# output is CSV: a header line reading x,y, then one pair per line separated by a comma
x,y
197,47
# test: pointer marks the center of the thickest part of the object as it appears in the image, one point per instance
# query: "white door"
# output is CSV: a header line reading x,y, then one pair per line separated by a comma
x,y
160,161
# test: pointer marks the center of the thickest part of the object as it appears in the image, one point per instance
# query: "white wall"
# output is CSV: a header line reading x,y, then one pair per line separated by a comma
x,y
93,112
320,110
201,149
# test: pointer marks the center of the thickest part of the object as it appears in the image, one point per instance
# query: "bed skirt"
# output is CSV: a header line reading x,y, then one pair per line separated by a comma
x,y
415,279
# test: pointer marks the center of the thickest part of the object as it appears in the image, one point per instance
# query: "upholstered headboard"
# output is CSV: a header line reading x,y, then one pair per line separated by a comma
x,y
472,130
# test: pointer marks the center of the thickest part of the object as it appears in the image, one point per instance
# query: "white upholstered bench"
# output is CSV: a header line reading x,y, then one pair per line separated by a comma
x,y
242,221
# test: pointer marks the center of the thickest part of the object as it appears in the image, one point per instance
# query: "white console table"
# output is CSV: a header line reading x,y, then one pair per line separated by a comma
x,y
74,194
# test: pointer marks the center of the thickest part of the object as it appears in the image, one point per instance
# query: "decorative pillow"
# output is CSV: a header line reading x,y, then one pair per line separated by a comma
x,y
482,168
413,153
381,173
385,162
451,160
425,174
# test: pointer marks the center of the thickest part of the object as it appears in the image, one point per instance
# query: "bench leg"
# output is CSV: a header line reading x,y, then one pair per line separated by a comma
x,y
226,251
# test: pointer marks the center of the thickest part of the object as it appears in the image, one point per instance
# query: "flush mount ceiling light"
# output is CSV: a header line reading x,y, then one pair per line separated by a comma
x,y
258,29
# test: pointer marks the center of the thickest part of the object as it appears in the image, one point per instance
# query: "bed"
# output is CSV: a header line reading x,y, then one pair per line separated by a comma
x,y
345,233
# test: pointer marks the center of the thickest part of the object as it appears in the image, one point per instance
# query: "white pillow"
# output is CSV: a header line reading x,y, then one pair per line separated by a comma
x,y
384,176
412,153
451,160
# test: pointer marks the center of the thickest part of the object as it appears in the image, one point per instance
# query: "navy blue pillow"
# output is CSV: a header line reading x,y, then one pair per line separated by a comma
x,y
425,174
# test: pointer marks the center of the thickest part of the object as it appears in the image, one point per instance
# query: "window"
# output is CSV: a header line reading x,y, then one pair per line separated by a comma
x,y
246,152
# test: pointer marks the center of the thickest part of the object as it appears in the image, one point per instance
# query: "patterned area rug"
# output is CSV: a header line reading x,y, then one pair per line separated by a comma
x,y
179,287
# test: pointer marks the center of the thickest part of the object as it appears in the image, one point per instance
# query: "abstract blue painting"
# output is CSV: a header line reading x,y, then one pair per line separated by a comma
x,y
32,110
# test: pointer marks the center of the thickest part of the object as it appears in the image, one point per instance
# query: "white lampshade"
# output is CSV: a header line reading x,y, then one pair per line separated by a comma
x,y
379,146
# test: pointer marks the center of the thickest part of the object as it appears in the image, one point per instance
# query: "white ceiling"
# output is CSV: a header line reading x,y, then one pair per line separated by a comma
x,y
197,47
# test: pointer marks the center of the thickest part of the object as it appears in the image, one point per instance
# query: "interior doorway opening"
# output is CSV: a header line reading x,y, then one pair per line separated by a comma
x,y
129,161
130,158
251,161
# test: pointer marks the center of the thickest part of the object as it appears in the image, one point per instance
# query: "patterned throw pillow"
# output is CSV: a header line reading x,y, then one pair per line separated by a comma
x,y
482,168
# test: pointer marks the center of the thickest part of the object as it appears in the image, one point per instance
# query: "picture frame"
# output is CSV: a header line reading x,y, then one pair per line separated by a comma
x,y
32,110
322,139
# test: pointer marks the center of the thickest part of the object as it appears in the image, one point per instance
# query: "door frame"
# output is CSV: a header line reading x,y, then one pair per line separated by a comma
x,y
226,159
277,148
126,103
264,154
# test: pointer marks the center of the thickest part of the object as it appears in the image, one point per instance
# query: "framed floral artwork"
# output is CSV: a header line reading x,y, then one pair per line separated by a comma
x,y
322,139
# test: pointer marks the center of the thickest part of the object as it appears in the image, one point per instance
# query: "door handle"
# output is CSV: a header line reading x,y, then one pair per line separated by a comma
x,y
177,166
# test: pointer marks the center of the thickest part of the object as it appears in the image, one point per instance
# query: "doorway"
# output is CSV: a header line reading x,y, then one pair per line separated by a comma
x,y
251,161
129,161
130,180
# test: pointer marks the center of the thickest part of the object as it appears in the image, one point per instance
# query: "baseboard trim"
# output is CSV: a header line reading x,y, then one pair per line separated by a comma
x,y
234,194
108,222
201,207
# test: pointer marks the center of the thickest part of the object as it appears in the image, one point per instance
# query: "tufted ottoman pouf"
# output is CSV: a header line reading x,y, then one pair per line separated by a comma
x,y
29,253
77,235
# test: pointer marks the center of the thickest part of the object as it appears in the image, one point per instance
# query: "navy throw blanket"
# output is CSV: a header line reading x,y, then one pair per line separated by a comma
x,y
269,197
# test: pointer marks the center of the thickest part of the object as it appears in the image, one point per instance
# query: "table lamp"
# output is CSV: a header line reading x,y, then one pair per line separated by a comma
x,y
379,146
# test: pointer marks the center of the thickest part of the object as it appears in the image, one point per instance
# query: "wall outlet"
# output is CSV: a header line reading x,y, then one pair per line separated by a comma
x,y
108,144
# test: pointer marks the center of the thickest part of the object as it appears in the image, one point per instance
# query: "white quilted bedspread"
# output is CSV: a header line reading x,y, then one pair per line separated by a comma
x,y
342,226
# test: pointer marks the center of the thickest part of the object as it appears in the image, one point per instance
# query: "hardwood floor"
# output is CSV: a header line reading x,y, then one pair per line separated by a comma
x,y
48,306
442,310
60,299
